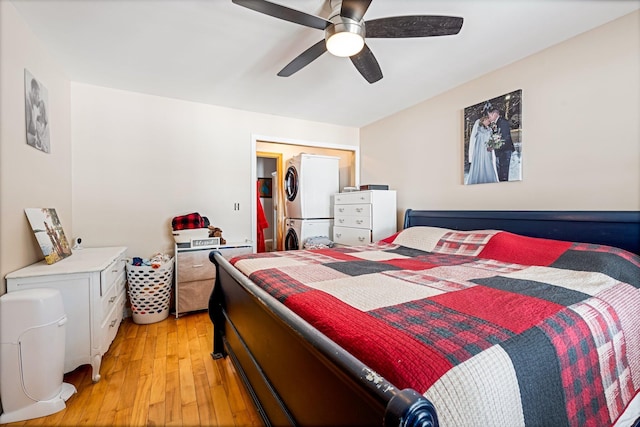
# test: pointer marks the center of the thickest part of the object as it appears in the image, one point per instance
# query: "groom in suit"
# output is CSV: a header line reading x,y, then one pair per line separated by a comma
x,y
503,154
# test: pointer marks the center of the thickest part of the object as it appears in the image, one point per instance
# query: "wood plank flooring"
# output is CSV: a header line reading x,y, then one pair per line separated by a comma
x,y
161,374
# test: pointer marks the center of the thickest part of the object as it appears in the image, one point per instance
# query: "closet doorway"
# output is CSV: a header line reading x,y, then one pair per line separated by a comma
x,y
264,150
269,168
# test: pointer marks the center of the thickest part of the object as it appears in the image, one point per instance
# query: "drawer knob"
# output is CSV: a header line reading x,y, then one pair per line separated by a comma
x,y
361,239
359,221
358,210
341,220
112,299
340,209
338,234
113,323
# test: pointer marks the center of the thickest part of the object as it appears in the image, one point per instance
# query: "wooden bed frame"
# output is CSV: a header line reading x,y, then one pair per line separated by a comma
x,y
297,376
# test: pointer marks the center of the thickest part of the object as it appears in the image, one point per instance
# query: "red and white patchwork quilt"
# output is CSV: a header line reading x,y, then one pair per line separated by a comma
x,y
492,327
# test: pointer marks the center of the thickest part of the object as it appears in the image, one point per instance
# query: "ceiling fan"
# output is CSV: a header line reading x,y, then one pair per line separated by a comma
x,y
345,31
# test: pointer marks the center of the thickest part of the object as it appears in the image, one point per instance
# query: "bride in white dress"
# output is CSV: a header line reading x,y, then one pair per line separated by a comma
x,y
482,159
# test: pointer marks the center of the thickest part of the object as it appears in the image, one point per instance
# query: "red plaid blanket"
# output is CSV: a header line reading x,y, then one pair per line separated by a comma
x,y
494,328
189,221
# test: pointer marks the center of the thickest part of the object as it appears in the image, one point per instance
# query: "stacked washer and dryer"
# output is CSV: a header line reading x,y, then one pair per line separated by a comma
x,y
310,183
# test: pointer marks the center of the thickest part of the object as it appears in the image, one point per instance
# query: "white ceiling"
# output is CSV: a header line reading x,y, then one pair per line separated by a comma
x,y
216,52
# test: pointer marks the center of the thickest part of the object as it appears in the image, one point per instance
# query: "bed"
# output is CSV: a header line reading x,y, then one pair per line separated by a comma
x,y
461,318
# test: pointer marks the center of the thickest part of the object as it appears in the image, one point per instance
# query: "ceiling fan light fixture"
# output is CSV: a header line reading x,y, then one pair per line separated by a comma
x,y
344,38
344,32
345,44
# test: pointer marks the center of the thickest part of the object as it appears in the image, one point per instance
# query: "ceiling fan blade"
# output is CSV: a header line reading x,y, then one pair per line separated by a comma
x,y
367,65
304,59
285,13
354,9
413,26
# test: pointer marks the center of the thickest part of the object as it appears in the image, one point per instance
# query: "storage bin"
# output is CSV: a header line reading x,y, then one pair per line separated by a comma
x,y
185,236
149,291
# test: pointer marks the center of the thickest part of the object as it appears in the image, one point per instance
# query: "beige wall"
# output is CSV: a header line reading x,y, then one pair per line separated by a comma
x,y
140,160
28,177
580,121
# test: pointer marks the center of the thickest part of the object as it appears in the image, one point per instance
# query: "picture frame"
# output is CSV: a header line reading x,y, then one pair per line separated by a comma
x,y
36,102
48,231
265,188
493,135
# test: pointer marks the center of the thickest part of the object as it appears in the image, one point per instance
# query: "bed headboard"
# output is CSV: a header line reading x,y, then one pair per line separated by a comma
x,y
613,228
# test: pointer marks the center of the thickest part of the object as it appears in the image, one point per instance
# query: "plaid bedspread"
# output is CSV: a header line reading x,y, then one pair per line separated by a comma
x,y
494,328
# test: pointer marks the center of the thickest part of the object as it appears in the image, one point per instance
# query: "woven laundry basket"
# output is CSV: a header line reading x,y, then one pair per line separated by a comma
x,y
150,291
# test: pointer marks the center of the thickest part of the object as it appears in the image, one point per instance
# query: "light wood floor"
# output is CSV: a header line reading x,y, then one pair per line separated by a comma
x,y
155,375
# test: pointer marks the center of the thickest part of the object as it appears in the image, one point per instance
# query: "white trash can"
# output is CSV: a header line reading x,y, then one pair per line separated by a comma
x,y
32,348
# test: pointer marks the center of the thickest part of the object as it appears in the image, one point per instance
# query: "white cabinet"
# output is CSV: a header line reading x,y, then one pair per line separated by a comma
x,y
92,283
195,274
362,217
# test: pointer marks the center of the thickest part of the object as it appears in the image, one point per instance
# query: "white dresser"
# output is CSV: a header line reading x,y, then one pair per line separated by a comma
x,y
195,273
92,283
362,217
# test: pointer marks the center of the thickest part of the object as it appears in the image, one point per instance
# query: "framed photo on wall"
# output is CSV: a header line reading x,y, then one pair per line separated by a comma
x,y
493,140
36,104
264,188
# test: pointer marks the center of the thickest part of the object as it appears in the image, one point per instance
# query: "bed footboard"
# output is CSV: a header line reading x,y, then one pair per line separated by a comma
x,y
296,375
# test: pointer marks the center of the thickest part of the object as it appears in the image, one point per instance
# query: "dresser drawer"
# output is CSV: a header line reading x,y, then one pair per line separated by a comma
x,y
351,236
113,272
353,221
194,295
352,198
352,210
121,284
195,266
109,328
108,301
113,291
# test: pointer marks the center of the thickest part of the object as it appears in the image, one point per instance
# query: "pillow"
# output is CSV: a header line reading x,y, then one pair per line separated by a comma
x,y
421,238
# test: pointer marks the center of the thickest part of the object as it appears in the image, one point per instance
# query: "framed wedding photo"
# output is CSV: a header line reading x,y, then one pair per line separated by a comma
x,y
493,140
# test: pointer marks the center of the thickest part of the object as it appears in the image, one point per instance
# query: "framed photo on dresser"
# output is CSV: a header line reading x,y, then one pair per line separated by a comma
x,y
49,234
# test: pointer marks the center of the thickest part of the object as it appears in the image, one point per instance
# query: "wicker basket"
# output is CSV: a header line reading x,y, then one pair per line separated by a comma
x,y
150,291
